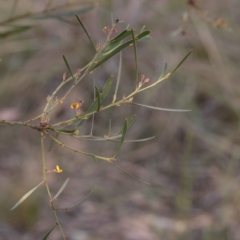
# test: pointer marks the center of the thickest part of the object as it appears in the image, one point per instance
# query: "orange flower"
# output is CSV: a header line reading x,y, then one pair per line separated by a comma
x,y
75,105
58,169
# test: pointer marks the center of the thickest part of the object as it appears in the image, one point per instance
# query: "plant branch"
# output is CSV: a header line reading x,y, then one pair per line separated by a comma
x,y
75,150
47,187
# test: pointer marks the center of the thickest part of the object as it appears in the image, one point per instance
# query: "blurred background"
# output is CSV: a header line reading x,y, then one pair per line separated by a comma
x,y
193,161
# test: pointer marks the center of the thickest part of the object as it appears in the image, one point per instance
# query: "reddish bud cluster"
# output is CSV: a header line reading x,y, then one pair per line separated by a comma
x,y
108,31
143,80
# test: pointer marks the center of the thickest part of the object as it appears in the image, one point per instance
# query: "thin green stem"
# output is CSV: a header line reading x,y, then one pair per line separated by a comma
x,y
110,127
47,187
75,150
43,159
111,30
90,114
33,119
118,77
20,123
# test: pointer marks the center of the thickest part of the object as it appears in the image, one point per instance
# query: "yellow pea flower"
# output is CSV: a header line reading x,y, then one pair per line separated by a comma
x,y
74,105
58,169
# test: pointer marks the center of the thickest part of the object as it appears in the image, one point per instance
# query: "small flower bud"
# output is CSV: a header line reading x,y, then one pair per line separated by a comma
x,y
105,29
78,72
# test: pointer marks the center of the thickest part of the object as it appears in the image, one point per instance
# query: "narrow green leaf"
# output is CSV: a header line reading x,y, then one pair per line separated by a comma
x,y
141,140
110,127
48,233
93,116
85,30
110,47
52,143
64,14
94,106
161,109
25,196
91,138
142,34
123,137
67,21
77,204
111,53
133,141
65,131
98,98
69,69
118,78
142,29
107,87
131,175
175,69
102,95
135,55
164,71
129,121
61,189
15,30
114,139
146,38
121,36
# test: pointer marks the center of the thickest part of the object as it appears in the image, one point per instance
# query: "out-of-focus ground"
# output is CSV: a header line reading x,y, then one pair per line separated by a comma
x,y
193,162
